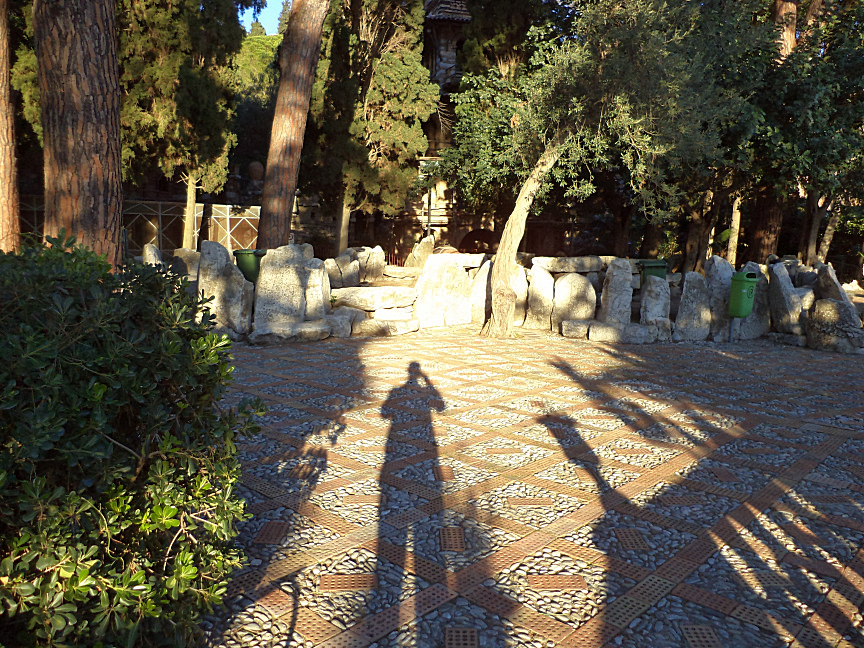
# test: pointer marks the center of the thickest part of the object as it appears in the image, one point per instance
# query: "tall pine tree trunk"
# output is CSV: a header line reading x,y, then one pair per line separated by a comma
x,y
9,224
764,231
76,49
828,236
734,230
298,60
344,223
189,213
500,324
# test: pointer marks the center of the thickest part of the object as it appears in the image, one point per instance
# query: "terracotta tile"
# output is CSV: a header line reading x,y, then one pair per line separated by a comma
x,y
704,597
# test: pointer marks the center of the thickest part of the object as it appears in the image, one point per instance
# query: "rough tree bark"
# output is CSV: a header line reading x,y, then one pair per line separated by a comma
x,y
815,213
828,236
189,212
500,324
651,240
766,222
734,230
298,60
76,50
785,17
9,224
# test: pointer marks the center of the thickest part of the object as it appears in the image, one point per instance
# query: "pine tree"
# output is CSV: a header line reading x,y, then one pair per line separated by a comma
x,y
257,29
9,224
284,14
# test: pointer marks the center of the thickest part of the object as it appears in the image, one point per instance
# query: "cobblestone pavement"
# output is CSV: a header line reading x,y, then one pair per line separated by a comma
x,y
441,489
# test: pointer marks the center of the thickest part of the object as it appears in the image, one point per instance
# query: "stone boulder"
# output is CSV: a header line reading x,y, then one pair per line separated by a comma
x,y
280,292
421,252
659,329
718,276
830,326
569,264
349,268
371,263
342,320
232,295
574,299
151,255
620,333
807,296
541,296
784,300
656,300
317,290
519,283
758,322
577,329
372,298
828,287
617,295
443,292
185,263
279,332
693,322
382,327
334,272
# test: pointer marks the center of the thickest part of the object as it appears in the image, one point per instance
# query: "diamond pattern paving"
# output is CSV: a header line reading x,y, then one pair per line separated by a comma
x,y
541,492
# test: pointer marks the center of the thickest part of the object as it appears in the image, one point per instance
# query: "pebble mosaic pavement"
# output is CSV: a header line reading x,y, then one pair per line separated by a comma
x,y
443,490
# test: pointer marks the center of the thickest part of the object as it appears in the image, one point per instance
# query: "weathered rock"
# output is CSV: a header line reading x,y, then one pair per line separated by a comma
x,y
656,300
624,334
375,264
481,294
421,252
785,302
232,295
758,322
569,264
828,287
468,260
607,261
659,329
807,277
617,294
443,292
351,274
404,313
381,327
151,255
317,290
280,292
279,332
334,272
718,276
830,326
807,296
398,272
576,328
185,263
541,296
693,322
788,339
371,298
519,284
596,282
574,299
342,320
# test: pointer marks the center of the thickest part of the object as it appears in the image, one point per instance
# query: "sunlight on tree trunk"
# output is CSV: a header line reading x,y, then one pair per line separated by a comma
x,y
344,222
9,224
828,236
500,324
298,60
189,213
76,47
734,229
815,213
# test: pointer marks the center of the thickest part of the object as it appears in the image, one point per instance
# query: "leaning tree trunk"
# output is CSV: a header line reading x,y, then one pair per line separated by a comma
x,y
815,213
344,223
298,60
828,236
76,50
500,324
9,224
189,213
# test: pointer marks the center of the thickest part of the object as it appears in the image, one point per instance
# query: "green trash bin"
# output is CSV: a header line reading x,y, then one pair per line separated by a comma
x,y
651,268
742,293
249,262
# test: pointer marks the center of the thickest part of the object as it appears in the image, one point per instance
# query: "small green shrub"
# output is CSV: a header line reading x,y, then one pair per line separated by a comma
x,y
116,462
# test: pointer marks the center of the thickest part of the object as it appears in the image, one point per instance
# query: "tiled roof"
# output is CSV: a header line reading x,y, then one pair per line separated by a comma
x,y
447,10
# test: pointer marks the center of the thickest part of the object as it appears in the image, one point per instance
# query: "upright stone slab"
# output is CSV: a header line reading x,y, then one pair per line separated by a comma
x,y
443,292
280,292
185,263
317,290
151,255
830,326
557,265
232,295
693,322
481,294
420,253
349,266
541,299
718,276
784,301
758,322
617,295
656,300
334,272
828,287
373,264
574,299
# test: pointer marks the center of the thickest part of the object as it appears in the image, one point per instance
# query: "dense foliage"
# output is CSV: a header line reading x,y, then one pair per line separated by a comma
x,y
117,462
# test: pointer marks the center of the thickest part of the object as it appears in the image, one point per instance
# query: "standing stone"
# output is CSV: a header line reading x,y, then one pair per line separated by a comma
x,y
574,299
577,329
185,263
443,293
351,274
617,295
232,295
693,322
333,272
718,276
376,261
785,302
481,294
807,295
656,300
317,290
420,253
758,322
832,327
828,287
519,283
280,292
541,296
151,255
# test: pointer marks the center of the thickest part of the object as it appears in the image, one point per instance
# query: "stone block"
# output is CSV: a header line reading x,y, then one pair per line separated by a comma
x,y
659,329
334,272
693,322
317,290
280,332
718,276
574,299
784,301
151,255
351,274
656,300
569,264
372,298
828,287
443,292
807,296
342,320
403,313
624,334
617,295
541,296
421,252
381,327
831,326
576,328
232,296
280,292
398,272
185,263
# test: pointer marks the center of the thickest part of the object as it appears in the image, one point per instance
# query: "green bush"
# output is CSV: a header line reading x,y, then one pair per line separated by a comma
x,y
117,465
